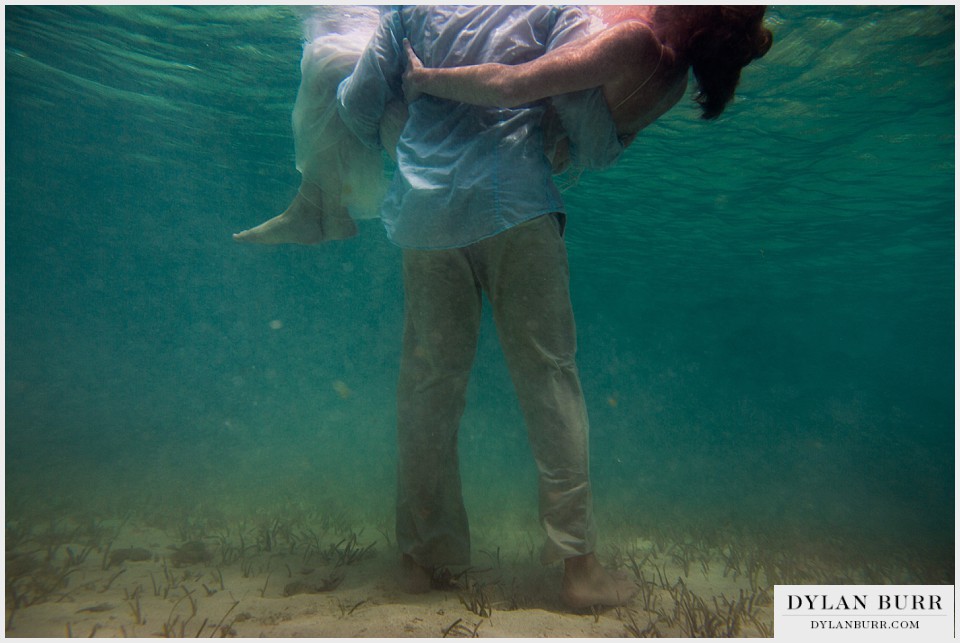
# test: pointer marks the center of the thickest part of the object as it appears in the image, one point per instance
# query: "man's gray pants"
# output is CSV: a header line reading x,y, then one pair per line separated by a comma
x,y
525,275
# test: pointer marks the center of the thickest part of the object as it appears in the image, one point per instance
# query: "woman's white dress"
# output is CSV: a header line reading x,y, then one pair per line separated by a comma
x,y
350,175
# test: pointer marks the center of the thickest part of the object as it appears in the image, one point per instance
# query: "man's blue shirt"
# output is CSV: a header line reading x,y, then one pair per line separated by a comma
x,y
465,172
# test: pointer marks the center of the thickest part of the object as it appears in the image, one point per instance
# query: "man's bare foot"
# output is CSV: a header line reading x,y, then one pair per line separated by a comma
x,y
587,583
414,578
303,222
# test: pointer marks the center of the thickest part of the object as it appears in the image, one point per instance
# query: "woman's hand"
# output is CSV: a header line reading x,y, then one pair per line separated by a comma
x,y
412,74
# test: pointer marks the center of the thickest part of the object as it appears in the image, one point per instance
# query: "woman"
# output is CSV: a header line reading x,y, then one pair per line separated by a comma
x,y
639,56
341,179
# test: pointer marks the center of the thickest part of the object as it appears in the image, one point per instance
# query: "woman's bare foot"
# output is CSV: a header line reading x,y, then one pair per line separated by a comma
x,y
587,583
304,222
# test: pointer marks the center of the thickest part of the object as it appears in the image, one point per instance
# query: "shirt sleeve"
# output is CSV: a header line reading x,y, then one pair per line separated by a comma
x,y
584,115
376,80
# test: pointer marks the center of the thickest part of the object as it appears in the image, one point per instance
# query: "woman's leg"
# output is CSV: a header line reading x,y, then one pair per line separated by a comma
x,y
340,177
307,220
318,211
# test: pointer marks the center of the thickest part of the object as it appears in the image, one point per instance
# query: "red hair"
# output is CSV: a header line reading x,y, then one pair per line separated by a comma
x,y
718,42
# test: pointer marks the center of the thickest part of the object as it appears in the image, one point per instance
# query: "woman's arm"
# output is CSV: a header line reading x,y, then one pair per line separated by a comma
x,y
592,62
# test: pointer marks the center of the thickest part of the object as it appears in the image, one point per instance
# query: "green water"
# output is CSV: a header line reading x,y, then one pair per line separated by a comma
x,y
764,303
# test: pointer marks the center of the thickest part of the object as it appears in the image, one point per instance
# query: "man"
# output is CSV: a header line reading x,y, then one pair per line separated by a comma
x,y
475,210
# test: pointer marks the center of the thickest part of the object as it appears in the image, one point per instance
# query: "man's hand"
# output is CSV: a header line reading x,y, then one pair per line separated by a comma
x,y
412,74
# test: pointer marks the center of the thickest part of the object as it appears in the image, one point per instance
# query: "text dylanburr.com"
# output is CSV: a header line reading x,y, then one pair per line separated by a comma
x,y
863,612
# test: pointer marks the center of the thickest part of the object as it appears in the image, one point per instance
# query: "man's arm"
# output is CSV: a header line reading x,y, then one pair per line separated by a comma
x,y
362,97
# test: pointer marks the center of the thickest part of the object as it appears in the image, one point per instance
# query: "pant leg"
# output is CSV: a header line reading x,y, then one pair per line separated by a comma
x,y
526,276
441,328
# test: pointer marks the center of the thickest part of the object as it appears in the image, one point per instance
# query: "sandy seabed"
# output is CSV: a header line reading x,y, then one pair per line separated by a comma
x,y
121,579
282,572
